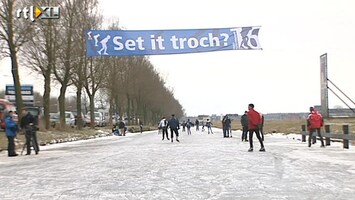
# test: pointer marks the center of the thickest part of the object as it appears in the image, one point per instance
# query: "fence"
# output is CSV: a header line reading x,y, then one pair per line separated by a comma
x,y
328,135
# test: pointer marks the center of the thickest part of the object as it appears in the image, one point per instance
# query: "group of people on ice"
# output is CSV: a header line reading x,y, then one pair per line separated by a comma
x,y
188,124
172,124
251,121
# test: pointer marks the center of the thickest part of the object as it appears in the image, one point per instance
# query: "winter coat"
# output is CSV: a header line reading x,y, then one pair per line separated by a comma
x,y
254,119
10,127
121,125
163,124
27,119
315,120
173,123
244,120
226,123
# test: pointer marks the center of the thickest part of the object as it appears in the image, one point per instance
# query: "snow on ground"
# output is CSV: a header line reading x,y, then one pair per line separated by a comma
x,y
201,166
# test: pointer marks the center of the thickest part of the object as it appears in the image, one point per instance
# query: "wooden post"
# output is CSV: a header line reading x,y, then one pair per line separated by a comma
x,y
303,130
327,139
346,133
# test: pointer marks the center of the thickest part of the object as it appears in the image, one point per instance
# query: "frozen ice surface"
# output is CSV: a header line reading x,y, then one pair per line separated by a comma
x,y
201,166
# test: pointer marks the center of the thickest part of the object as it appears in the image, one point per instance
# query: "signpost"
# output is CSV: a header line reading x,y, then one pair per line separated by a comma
x,y
26,92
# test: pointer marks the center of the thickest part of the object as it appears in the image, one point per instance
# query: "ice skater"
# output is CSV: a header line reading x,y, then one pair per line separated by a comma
x,y
226,123
163,126
209,126
197,124
244,122
314,123
174,128
253,120
188,126
261,127
104,45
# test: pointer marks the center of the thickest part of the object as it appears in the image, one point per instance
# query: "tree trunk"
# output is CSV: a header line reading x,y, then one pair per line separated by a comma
x,y
79,118
47,97
14,63
92,110
61,101
128,109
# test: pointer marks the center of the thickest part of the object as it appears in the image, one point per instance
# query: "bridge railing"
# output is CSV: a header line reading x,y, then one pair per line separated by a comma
x,y
328,135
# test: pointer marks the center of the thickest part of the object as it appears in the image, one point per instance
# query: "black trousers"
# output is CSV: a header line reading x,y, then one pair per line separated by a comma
x,y
28,141
11,146
310,136
165,132
257,133
225,132
245,134
172,131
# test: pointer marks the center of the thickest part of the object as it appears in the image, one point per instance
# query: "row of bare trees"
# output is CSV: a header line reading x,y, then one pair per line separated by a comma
x,y
56,50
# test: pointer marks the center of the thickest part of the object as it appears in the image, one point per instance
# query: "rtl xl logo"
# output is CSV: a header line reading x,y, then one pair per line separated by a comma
x,y
43,12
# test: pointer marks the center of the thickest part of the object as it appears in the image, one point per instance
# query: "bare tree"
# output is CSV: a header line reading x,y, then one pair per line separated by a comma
x,y
88,19
41,56
95,75
13,34
63,69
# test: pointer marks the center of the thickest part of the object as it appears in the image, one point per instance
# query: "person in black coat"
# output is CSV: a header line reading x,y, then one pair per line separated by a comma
x,y
122,127
244,122
28,123
197,123
174,127
226,122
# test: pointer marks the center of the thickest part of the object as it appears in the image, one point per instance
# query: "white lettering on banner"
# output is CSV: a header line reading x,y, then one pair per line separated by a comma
x,y
174,41
210,41
154,41
129,44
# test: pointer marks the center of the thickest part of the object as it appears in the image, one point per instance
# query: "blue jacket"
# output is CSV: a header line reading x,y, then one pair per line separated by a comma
x,y
10,126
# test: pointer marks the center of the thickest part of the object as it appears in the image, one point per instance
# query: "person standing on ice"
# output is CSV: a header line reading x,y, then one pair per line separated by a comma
x,y
314,123
254,120
261,127
197,124
209,126
183,126
244,122
226,122
163,126
174,128
188,126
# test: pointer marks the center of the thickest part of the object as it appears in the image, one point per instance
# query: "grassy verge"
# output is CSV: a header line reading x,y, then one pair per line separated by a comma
x,y
294,126
66,135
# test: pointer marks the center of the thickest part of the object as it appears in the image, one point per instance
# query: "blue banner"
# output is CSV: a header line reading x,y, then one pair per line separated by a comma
x,y
158,42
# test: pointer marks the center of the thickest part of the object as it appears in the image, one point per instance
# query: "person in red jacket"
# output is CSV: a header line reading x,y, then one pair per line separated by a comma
x,y
254,120
314,123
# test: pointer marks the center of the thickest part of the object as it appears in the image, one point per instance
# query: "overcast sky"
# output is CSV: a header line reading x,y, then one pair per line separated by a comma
x,y
283,77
